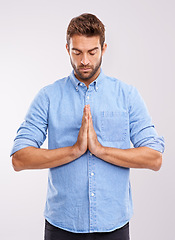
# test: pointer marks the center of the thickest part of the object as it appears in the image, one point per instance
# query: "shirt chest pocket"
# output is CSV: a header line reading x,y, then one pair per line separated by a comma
x,y
114,125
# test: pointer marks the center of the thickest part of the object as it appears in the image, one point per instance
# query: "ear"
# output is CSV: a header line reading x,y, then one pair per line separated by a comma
x,y
104,48
67,47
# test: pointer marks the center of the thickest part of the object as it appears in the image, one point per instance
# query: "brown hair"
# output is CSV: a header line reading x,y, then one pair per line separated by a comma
x,y
88,25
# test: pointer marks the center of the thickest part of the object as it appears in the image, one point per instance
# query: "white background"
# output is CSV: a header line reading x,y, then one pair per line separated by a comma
x,y
141,51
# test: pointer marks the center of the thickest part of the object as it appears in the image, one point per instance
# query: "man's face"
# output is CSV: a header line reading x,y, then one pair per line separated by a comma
x,y
86,57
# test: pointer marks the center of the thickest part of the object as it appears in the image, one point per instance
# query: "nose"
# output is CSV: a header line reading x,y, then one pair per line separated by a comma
x,y
85,60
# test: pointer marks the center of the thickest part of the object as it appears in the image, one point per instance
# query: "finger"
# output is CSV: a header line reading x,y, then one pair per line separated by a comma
x,y
87,109
85,118
90,116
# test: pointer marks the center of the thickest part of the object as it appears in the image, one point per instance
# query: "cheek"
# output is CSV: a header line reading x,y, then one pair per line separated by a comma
x,y
74,60
97,59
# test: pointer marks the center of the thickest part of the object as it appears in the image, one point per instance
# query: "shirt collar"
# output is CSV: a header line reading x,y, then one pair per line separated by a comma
x,y
94,84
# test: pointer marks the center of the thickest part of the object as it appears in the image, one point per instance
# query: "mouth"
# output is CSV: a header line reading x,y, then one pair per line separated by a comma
x,y
84,69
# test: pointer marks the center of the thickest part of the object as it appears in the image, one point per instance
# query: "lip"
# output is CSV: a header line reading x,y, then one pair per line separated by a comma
x,y
85,69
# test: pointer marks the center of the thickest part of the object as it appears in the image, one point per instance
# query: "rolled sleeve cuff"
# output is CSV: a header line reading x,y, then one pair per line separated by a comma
x,y
156,143
22,143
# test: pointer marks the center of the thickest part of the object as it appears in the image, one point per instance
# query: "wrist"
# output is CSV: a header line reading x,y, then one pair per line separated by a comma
x,y
98,151
76,151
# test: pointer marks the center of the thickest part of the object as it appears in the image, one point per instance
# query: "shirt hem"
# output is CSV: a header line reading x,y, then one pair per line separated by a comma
x,y
102,230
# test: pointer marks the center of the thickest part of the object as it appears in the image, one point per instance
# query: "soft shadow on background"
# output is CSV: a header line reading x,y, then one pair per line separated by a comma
x,y
141,52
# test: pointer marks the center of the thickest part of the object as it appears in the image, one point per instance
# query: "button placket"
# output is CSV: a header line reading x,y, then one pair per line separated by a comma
x,y
91,174
87,97
92,193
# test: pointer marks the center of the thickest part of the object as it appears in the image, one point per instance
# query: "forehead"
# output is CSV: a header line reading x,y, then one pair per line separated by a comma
x,y
84,43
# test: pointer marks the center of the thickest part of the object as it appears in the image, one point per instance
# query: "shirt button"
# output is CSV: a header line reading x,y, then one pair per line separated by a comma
x,y
92,174
90,154
81,84
87,97
92,194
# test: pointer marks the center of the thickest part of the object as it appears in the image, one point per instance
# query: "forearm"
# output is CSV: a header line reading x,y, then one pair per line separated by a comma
x,y
35,158
142,157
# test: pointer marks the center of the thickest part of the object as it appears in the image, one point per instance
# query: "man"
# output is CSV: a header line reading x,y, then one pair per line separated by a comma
x,y
90,119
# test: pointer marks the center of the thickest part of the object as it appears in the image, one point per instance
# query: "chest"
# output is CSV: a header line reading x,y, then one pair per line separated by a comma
x,y
109,114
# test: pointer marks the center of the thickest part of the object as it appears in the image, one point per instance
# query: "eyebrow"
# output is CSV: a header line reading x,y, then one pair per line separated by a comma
x,y
76,49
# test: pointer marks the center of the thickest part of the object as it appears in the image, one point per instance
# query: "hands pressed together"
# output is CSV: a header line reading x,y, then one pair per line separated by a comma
x,y
35,158
87,137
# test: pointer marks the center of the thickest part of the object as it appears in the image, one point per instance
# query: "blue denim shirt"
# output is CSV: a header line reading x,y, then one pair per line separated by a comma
x,y
88,194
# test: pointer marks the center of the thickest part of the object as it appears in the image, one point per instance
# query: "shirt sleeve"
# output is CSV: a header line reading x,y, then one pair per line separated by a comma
x,y
33,130
142,131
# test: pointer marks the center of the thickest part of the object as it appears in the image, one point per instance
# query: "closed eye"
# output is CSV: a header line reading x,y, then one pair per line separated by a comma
x,y
76,52
93,52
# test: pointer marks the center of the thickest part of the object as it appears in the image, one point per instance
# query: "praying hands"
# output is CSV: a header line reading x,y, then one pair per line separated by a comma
x,y
87,137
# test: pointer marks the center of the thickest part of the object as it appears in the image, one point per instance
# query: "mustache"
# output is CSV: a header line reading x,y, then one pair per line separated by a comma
x,y
85,66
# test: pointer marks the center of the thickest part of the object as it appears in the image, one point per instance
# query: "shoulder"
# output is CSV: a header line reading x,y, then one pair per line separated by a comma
x,y
56,85
119,85
54,88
